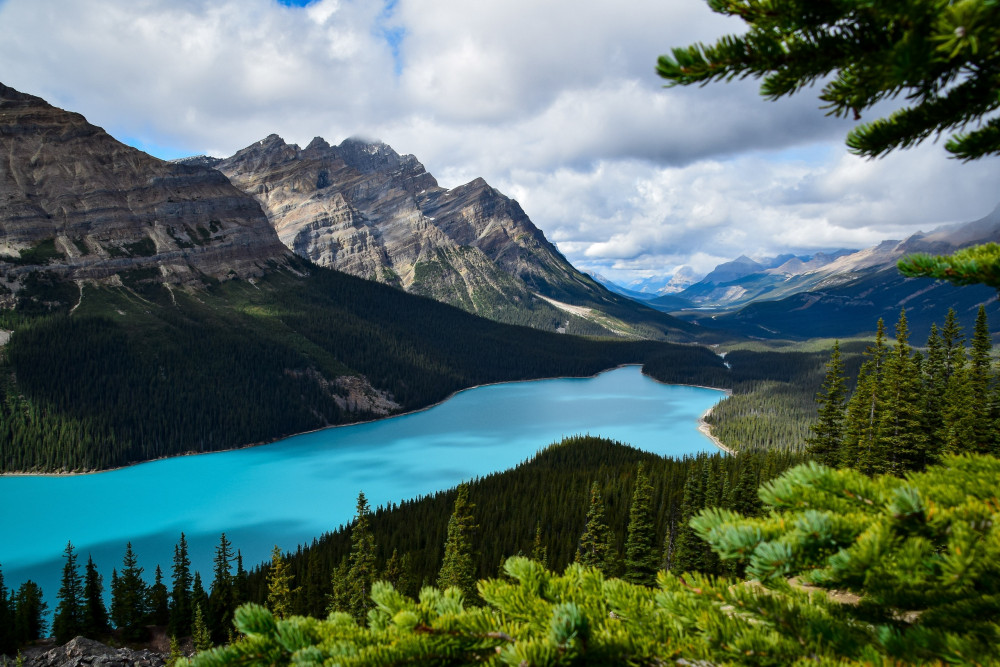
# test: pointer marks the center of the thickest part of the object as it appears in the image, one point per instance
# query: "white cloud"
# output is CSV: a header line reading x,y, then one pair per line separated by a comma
x,y
555,103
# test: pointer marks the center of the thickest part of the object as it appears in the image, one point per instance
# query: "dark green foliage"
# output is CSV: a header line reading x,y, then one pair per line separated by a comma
x,y
130,598
641,546
935,55
907,409
199,597
597,544
181,605
862,449
826,439
362,568
314,589
901,426
222,601
29,613
159,600
95,615
920,554
68,620
458,563
279,586
40,253
8,642
688,551
258,362
142,248
549,490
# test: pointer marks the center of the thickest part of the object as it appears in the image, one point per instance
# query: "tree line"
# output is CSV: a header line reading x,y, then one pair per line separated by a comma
x,y
585,499
139,372
909,408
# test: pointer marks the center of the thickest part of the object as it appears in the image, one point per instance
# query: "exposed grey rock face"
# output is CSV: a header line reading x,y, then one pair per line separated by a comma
x,y
82,205
81,652
362,208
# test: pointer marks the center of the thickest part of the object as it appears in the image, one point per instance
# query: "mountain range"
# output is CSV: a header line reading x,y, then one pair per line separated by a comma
x,y
837,293
151,308
361,208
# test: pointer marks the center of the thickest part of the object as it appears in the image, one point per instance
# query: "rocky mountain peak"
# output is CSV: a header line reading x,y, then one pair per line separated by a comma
x,y
81,205
318,144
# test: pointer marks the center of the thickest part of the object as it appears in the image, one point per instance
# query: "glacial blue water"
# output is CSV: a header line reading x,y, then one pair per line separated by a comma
x,y
290,491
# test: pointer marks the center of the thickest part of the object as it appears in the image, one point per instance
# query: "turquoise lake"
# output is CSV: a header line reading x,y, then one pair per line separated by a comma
x,y
290,491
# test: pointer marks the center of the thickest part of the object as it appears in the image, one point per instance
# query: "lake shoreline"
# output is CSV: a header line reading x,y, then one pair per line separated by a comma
x,y
701,423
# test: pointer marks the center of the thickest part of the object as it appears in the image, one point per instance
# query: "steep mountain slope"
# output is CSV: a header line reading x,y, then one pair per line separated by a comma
x,y
362,208
153,311
84,206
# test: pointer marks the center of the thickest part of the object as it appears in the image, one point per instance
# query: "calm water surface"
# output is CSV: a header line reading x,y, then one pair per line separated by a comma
x,y
288,492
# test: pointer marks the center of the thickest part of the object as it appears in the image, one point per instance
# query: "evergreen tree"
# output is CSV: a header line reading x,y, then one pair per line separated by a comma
x,y
129,598
458,567
30,610
687,556
159,600
240,580
8,643
315,599
641,557
181,612
362,572
198,595
222,602
200,635
68,620
901,433
827,434
340,588
980,390
862,450
539,552
917,552
95,614
743,497
930,54
279,586
935,387
596,546
175,652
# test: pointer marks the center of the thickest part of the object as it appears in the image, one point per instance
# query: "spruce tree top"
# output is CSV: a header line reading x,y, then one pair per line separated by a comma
x,y
940,56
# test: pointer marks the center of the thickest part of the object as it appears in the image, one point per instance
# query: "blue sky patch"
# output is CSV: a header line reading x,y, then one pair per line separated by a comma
x,y
156,150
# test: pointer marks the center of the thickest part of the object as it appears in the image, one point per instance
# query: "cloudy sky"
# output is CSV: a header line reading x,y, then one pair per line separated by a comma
x,y
554,102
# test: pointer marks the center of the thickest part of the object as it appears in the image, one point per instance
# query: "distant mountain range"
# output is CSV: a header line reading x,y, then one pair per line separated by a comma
x,y
150,309
836,293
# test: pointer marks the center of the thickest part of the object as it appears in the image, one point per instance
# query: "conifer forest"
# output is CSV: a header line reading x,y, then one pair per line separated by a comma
x,y
877,500
848,510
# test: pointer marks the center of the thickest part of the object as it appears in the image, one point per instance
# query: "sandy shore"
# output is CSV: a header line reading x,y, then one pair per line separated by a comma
x,y
706,429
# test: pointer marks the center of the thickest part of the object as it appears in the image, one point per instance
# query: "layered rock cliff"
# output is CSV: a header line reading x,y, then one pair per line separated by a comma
x,y
78,204
362,208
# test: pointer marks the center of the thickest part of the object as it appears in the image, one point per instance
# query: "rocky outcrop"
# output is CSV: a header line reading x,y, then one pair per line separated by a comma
x,y
362,208
82,652
80,205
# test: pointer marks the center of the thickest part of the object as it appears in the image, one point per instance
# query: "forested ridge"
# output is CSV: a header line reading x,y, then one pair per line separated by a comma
x,y
540,508
141,372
